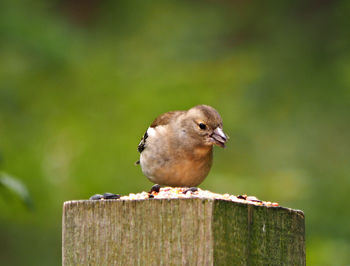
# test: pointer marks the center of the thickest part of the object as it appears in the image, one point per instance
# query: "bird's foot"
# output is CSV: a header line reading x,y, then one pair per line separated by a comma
x,y
155,188
104,196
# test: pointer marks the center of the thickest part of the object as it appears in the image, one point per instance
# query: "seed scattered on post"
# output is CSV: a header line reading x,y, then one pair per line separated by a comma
x,y
96,197
111,196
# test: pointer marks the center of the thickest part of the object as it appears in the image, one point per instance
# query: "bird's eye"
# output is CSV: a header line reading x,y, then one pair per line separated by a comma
x,y
202,126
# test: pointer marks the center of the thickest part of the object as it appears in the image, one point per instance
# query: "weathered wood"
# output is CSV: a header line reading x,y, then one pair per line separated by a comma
x,y
181,232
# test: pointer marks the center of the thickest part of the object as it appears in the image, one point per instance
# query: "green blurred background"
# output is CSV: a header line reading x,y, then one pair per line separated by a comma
x,y
80,81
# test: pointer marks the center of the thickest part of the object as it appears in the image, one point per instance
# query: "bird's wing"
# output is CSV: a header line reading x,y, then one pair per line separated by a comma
x,y
142,143
161,120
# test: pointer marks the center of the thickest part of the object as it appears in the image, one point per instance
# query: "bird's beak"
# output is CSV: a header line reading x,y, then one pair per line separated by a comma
x,y
218,137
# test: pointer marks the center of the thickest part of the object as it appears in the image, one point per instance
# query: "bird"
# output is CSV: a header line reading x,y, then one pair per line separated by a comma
x,y
177,148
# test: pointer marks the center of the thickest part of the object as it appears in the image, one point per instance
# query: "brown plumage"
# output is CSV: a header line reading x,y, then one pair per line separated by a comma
x,y
176,150
165,118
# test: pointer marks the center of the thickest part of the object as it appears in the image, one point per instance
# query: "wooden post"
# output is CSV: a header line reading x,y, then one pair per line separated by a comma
x,y
181,232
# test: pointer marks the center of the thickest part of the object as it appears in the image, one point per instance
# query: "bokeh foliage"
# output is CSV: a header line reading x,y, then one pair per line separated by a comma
x,y
80,81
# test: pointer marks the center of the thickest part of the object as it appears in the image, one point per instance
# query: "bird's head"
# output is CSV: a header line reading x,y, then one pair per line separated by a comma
x,y
205,124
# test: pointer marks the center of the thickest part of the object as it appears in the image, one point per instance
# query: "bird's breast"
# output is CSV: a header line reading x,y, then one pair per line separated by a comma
x,y
177,167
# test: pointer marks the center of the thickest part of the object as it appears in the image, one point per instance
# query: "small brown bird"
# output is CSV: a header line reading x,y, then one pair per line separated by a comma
x,y
177,149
